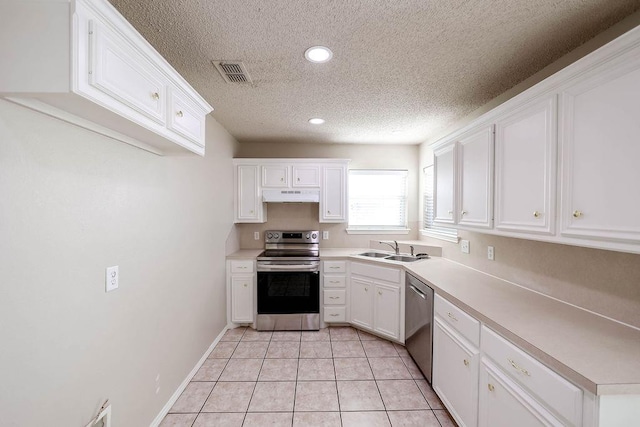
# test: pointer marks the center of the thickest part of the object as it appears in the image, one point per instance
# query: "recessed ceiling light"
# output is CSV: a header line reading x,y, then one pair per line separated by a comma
x,y
318,54
316,121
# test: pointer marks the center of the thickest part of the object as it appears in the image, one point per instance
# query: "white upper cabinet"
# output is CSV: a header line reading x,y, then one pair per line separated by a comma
x,y
83,63
275,176
328,177
566,158
525,165
248,204
476,178
333,200
306,176
445,183
600,149
124,74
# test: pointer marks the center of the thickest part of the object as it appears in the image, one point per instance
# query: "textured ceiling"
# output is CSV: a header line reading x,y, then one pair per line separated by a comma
x,y
401,70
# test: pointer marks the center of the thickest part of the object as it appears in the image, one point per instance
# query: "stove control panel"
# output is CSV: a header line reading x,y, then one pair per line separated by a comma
x,y
300,237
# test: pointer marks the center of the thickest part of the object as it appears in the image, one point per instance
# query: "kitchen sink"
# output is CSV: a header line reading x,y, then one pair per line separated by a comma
x,y
374,254
403,258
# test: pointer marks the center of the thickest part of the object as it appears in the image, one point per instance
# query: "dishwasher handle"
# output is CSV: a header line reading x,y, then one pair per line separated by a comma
x,y
418,291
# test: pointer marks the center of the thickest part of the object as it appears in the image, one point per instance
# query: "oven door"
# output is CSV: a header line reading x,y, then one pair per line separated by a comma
x,y
288,289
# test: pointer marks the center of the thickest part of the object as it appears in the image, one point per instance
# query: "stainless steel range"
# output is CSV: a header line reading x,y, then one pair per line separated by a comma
x,y
289,281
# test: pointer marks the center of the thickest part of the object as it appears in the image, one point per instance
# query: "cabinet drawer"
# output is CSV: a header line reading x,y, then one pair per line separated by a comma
x,y
334,266
457,319
376,272
335,281
335,314
335,296
244,266
550,388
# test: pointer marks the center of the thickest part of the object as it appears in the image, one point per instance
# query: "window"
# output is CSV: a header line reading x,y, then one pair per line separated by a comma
x,y
428,227
378,201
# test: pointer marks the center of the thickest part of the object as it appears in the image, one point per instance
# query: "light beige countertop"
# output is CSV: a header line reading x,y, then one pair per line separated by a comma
x,y
245,253
601,355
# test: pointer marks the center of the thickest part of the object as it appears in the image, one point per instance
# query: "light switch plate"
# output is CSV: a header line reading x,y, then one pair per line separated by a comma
x,y
111,278
256,235
464,246
490,253
325,235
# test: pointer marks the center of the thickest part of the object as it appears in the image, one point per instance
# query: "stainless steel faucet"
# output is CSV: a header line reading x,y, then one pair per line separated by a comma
x,y
396,248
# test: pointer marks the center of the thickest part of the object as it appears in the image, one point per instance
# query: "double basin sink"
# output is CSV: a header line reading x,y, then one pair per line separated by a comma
x,y
401,258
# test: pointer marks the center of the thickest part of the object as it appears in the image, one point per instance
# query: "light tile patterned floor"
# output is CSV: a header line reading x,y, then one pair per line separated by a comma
x,y
333,377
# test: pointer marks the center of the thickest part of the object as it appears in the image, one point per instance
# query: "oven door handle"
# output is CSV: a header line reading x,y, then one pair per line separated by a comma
x,y
287,267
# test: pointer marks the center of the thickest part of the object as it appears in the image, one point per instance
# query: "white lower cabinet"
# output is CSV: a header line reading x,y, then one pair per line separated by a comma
x,y
334,291
455,372
538,385
376,299
387,310
361,302
502,401
242,299
495,384
241,281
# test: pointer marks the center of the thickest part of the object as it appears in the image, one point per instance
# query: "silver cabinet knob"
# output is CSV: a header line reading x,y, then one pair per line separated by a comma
x,y
463,213
466,362
155,95
490,387
179,114
577,214
536,214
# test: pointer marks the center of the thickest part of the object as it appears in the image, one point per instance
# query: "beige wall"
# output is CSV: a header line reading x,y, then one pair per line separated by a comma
x,y
606,282
289,216
72,203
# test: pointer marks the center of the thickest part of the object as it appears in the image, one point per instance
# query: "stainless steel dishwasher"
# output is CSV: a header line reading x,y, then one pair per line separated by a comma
x,y
419,323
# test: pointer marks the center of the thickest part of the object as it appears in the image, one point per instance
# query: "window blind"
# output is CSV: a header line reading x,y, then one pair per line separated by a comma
x,y
378,199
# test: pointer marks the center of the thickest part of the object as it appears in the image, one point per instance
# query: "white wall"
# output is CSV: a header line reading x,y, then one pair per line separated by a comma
x,y
72,203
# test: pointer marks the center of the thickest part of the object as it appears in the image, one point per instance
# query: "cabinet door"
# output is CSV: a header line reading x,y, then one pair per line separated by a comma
x,y
502,401
124,75
333,203
600,152
361,297
242,298
275,176
248,203
526,169
445,184
306,176
455,374
184,118
387,310
475,164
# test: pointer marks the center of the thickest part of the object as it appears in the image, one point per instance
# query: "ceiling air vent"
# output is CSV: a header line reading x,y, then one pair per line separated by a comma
x,y
233,71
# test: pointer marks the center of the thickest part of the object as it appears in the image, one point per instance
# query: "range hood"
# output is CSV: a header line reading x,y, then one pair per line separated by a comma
x,y
291,196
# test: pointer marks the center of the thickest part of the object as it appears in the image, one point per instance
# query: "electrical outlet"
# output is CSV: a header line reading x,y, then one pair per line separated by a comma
x,y
325,235
111,278
490,253
256,235
464,246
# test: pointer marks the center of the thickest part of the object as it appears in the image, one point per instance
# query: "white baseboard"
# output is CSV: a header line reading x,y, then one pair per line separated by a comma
x,y
165,410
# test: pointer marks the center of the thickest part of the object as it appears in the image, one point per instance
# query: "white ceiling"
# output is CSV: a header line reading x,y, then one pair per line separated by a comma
x,y
401,70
